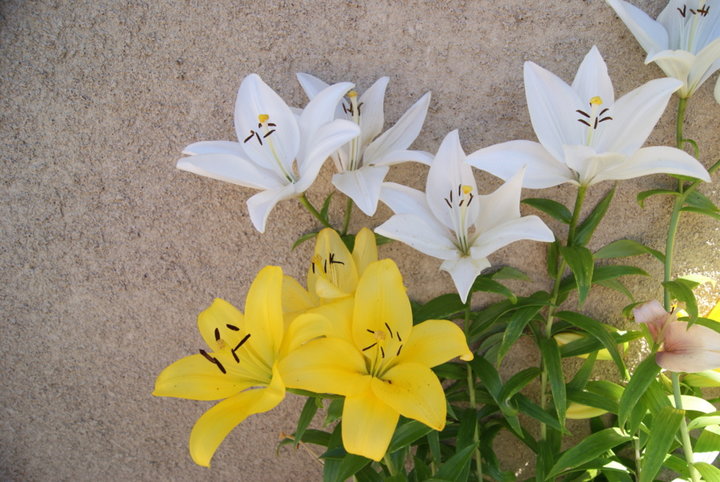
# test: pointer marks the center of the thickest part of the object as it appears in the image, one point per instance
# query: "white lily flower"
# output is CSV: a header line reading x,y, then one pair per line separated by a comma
x,y
585,135
452,222
279,152
363,163
684,41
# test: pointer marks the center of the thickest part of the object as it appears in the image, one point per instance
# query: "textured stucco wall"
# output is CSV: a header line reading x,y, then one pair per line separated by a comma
x,y
108,252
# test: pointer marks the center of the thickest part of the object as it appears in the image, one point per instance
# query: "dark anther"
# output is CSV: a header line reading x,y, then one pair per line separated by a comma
x,y
213,360
370,331
252,133
258,138
693,11
208,357
344,108
470,200
382,352
682,12
605,118
603,111
583,113
333,260
259,125
596,123
325,266
450,195
459,190
270,124
313,267
398,335
704,11
217,334
398,352
232,327
359,106
389,330
461,203
369,346
448,203
584,122
237,360
268,133
242,342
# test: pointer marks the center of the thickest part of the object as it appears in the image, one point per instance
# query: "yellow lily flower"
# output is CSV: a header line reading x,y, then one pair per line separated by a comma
x,y
241,366
382,366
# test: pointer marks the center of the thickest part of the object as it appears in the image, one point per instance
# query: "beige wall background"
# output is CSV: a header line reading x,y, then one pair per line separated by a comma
x,y
108,252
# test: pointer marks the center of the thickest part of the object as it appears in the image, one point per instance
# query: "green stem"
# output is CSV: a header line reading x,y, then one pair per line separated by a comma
x,y
670,245
579,199
685,434
348,213
389,464
471,393
308,205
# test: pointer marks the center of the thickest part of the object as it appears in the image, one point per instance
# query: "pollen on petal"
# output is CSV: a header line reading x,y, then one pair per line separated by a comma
x,y
596,100
466,189
352,94
263,118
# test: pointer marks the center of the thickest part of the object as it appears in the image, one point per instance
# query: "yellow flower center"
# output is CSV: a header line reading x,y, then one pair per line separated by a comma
x,y
386,345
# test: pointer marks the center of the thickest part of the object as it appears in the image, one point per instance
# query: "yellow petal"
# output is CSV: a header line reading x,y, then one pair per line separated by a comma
x,y
433,342
415,392
221,325
368,425
578,411
715,312
195,378
340,313
214,425
302,329
328,365
365,250
567,337
331,265
263,313
381,304
295,298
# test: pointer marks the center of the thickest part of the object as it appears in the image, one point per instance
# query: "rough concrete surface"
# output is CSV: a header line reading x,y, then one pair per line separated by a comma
x,y
108,252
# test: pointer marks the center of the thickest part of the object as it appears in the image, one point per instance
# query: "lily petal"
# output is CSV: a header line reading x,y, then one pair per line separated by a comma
x,y
320,111
707,62
419,234
592,78
260,205
590,166
406,200
635,115
689,350
505,159
717,91
402,155
295,298
656,160
327,365
552,105
256,99
365,250
213,325
263,313
434,342
304,328
362,186
650,34
230,168
311,84
332,272
368,425
372,118
214,425
194,378
413,390
530,228
463,271
400,135
676,64
505,202
214,147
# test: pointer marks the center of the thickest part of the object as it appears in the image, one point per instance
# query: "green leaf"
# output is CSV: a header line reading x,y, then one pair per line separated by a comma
x,y
302,239
644,375
552,259
551,360
589,449
326,207
442,307
582,265
317,437
348,466
334,411
659,442
582,376
491,286
596,329
407,433
706,212
709,473
641,197
489,376
433,439
526,406
709,440
456,464
308,412
698,200
626,247
519,320
508,272
682,291
551,208
584,232
517,382
617,285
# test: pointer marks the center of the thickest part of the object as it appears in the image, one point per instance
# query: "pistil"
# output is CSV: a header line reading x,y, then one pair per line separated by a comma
x,y
458,209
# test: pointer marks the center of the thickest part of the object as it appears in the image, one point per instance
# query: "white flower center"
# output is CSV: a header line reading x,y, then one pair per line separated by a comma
x,y
352,110
458,204
593,118
263,137
692,17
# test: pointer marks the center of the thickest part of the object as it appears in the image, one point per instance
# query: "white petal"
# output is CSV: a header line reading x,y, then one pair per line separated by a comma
x,y
590,165
311,84
656,160
230,168
448,172
505,159
592,79
255,98
676,64
362,186
406,200
464,271
708,29
524,228
260,205
402,134
650,34
707,62
324,142
552,105
402,155
417,233
215,147
674,23
371,111
319,111
500,206
634,116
